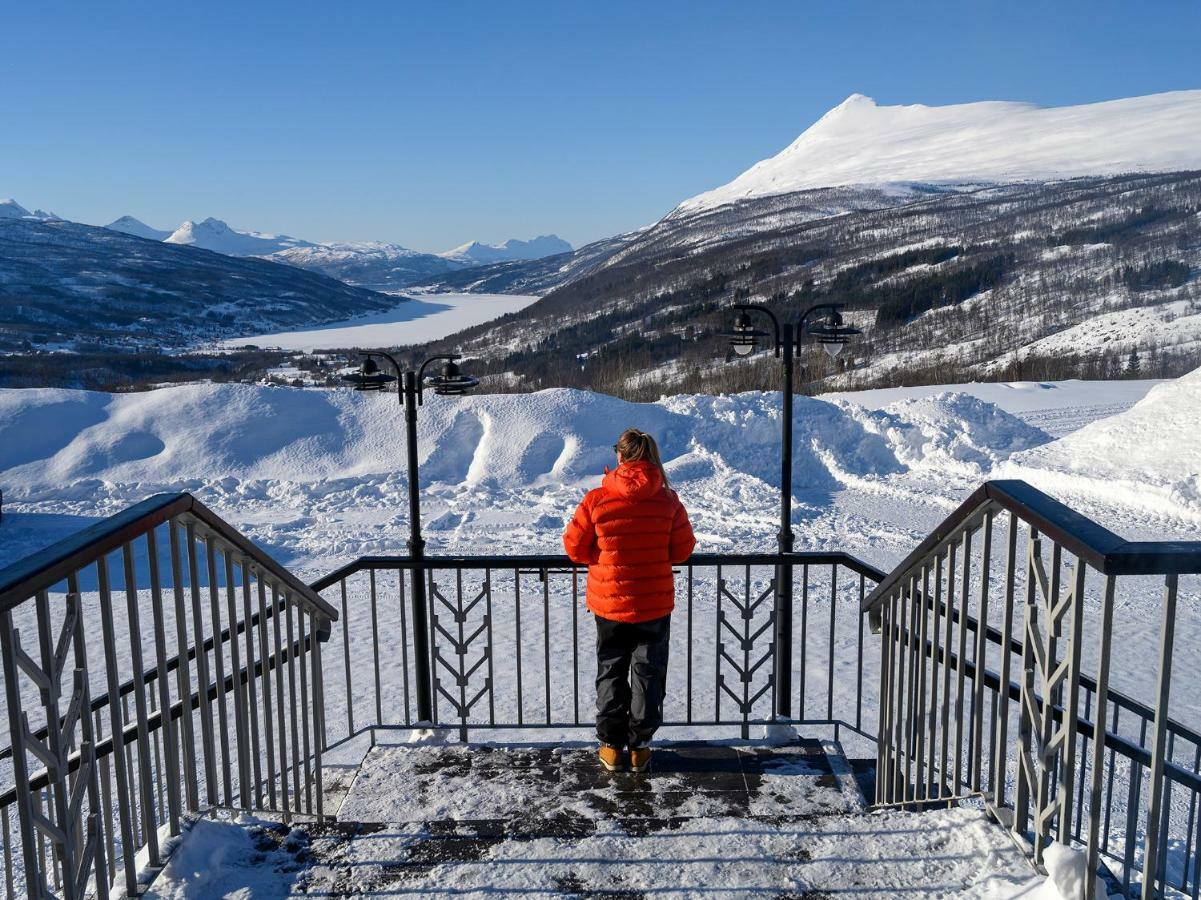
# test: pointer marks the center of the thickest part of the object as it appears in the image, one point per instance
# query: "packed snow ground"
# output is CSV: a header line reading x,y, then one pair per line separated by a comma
x,y
427,317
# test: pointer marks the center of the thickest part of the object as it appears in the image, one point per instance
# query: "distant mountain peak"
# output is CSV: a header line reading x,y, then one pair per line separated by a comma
x,y
479,253
11,209
138,228
860,142
214,234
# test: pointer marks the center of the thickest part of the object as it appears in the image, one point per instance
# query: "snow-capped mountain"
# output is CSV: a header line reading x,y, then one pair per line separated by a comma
x,y
476,253
371,264
130,225
11,209
213,234
861,142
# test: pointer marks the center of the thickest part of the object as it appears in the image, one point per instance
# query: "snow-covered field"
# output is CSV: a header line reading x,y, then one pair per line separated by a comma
x,y
317,478
427,317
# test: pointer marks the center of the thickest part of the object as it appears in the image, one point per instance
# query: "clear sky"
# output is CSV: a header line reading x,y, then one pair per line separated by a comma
x,y
433,124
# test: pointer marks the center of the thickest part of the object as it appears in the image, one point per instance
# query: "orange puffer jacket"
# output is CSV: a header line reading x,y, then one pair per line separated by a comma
x,y
629,532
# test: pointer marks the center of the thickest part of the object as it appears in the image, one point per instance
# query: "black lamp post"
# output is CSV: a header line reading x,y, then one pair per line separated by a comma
x,y
833,334
451,382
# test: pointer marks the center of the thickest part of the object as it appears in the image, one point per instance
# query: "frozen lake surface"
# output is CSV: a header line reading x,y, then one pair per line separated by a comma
x,y
427,317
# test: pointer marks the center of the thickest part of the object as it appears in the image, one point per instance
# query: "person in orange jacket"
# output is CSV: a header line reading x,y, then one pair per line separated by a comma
x,y
629,532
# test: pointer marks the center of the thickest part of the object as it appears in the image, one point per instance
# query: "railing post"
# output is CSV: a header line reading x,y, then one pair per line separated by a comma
x,y
1159,739
1099,723
16,732
785,540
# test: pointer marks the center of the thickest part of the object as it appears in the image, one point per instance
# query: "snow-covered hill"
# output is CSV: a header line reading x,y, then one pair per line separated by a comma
x,y
476,253
130,225
213,234
861,142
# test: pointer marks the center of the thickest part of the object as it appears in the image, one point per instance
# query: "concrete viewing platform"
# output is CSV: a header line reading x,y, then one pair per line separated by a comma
x,y
535,820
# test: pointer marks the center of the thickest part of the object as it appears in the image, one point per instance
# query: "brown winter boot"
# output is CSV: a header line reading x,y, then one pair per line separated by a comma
x,y
610,758
640,759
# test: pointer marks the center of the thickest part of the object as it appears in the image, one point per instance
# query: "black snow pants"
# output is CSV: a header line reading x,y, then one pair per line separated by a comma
x,y
631,677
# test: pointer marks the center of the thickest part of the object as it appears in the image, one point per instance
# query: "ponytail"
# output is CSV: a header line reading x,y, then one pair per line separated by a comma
x,y
635,446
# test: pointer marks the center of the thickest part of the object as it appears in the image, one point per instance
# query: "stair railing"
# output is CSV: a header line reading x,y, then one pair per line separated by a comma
x,y
217,700
985,629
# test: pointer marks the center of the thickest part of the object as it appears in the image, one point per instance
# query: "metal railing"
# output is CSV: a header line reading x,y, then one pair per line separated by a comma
x,y
186,699
208,685
504,643
988,628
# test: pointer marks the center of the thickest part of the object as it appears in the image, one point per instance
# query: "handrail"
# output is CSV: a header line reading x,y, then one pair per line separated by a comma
x,y
160,774
1090,541
559,561
40,570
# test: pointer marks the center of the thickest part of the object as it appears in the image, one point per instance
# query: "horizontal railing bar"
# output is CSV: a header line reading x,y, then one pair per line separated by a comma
x,y
1089,541
543,562
993,635
588,726
149,675
1084,726
154,721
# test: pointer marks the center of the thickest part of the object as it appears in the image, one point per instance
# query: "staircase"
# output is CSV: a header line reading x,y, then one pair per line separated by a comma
x,y
544,820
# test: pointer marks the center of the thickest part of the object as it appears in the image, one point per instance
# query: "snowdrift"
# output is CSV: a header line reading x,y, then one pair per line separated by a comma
x,y
1148,457
59,442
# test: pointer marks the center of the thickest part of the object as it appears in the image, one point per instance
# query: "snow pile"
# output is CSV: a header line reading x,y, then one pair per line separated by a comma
x,y
954,433
1147,457
232,859
217,433
1067,871
859,142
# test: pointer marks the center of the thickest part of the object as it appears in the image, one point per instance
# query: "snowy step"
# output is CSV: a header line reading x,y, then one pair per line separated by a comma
x,y
456,782
537,820
949,853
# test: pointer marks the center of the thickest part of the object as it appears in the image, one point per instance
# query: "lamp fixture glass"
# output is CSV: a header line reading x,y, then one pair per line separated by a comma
x,y
452,381
369,377
744,337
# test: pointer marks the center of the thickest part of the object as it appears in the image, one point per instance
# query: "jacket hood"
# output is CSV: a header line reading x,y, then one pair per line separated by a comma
x,y
636,480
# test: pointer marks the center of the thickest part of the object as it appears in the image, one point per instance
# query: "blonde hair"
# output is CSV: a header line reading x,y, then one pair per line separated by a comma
x,y
635,446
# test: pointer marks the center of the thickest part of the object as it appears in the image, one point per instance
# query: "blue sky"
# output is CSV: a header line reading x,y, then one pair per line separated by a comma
x,y
434,124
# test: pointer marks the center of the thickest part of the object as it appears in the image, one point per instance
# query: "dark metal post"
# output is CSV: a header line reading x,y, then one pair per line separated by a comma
x,y
785,538
421,650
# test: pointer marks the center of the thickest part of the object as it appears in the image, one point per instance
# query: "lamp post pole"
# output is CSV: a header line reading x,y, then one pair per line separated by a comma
x,y
787,342
421,649
409,394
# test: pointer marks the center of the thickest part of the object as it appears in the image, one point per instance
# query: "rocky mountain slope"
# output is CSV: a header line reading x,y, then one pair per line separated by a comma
x,y
76,287
964,284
